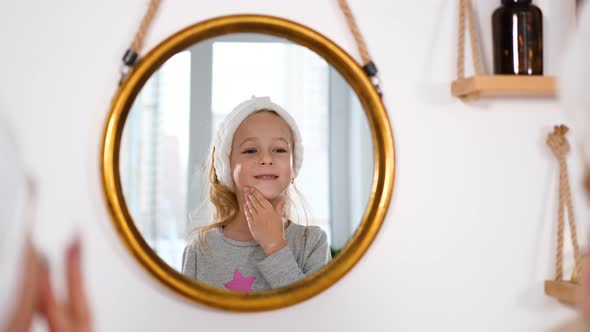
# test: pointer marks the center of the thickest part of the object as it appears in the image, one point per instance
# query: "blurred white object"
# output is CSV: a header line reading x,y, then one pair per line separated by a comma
x,y
574,87
574,81
13,222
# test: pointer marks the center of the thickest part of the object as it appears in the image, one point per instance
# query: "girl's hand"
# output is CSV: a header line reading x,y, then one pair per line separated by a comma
x,y
265,221
72,315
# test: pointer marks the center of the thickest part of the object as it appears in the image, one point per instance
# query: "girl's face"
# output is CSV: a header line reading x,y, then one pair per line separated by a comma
x,y
261,154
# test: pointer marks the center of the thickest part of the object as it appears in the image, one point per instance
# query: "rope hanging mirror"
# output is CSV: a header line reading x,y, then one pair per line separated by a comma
x,y
131,55
564,290
362,81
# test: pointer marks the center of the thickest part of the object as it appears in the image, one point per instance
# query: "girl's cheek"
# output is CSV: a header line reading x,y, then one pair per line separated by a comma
x,y
242,173
238,175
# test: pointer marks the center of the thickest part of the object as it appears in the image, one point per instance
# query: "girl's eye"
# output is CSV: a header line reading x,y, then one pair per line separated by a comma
x,y
249,151
280,150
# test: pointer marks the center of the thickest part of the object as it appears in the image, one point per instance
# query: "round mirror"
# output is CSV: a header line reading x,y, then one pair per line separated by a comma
x,y
248,162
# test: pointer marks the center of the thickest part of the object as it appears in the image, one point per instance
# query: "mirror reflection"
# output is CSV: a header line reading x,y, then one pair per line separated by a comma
x,y
246,162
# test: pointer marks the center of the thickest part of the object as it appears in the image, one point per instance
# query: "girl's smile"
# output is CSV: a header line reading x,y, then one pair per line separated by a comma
x,y
266,177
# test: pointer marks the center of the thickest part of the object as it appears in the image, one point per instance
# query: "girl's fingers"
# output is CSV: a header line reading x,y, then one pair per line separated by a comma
x,y
250,206
251,220
254,203
248,213
260,198
279,207
76,292
49,307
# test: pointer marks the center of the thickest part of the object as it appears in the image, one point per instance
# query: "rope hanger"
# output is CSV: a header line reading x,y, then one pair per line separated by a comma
x,y
368,65
466,13
132,54
560,147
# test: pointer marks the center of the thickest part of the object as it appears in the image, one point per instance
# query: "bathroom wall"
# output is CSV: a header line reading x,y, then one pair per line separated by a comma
x,y
470,235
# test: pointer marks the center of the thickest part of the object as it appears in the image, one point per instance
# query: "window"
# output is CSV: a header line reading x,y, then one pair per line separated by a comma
x,y
154,158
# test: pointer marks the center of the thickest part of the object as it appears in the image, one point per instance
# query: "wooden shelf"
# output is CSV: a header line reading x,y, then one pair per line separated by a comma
x,y
473,87
564,291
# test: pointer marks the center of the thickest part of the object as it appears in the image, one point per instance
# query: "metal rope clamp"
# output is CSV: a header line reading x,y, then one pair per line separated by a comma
x,y
371,70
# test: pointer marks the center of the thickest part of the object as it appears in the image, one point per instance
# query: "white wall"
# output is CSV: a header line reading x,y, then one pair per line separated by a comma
x,y
469,237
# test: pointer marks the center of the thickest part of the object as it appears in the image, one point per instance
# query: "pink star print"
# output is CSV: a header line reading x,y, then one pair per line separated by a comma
x,y
240,283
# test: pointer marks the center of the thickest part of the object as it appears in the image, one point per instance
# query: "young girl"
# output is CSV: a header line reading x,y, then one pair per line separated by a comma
x,y
252,243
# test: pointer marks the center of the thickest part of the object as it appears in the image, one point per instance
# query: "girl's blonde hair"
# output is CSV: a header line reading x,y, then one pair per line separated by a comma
x,y
225,202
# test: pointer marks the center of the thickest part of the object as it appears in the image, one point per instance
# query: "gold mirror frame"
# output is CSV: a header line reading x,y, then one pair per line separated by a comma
x,y
383,176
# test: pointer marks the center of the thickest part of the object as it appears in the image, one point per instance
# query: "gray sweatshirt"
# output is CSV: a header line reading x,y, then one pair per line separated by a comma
x,y
243,266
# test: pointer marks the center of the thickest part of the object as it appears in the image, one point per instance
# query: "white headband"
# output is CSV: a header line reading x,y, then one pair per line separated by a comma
x,y
13,228
575,79
227,129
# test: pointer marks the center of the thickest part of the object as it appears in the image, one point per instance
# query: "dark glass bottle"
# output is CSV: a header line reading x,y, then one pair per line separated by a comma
x,y
518,38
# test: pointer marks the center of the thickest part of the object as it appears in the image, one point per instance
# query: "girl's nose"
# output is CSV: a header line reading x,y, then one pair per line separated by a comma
x,y
266,159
